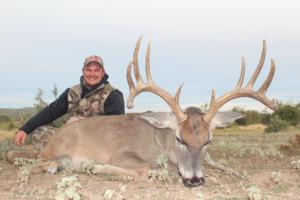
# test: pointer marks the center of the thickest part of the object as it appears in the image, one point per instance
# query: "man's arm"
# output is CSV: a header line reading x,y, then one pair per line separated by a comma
x,y
114,104
51,112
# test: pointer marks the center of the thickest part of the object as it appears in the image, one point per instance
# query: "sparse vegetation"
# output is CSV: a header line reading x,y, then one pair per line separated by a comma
x,y
243,149
115,194
4,118
6,123
276,124
251,117
287,115
5,146
254,193
40,102
67,189
281,187
25,170
160,174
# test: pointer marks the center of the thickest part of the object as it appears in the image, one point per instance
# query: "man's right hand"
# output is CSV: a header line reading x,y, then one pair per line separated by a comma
x,y
20,138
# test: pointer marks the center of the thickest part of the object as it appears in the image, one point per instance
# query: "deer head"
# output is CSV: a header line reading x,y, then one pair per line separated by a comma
x,y
193,127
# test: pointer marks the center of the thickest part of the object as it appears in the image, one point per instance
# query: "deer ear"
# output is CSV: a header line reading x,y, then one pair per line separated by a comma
x,y
160,120
223,119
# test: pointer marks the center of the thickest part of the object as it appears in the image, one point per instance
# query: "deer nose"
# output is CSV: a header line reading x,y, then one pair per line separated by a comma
x,y
194,182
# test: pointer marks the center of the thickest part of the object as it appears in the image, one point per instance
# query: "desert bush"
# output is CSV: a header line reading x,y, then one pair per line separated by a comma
x,y
26,165
6,123
251,117
4,119
289,112
276,124
160,174
254,193
115,194
5,146
11,125
67,189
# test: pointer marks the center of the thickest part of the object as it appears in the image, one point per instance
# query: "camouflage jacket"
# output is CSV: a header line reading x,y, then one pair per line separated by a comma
x,y
91,104
103,100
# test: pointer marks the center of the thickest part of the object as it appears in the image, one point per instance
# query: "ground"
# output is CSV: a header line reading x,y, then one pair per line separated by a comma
x,y
270,161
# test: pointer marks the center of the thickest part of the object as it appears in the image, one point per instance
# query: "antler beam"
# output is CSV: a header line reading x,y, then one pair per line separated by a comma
x,y
248,91
150,86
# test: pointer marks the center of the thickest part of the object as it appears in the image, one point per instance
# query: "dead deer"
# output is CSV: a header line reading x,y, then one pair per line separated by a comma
x,y
129,144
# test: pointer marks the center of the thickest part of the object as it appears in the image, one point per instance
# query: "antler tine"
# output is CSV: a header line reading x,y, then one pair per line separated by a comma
x,y
248,91
213,97
242,75
266,84
148,72
150,86
136,61
259,66
132,90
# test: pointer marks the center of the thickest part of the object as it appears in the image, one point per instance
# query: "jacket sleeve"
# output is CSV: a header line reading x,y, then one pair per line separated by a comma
x,y
114,104
51,112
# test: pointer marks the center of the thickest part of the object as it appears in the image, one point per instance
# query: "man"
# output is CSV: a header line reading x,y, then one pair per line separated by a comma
x,y
93,96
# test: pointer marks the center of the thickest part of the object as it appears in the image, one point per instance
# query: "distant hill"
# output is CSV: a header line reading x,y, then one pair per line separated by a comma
x,y
14,113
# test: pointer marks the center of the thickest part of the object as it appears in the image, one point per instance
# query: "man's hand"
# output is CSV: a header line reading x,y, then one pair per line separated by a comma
x,y
20,138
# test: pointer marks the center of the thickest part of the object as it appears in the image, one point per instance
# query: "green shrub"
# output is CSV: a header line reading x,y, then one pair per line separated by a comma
x,y
11,125
276,124
289,112
251,117
4,118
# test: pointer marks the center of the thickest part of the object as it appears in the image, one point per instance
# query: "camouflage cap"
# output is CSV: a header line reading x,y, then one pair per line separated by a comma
x,y
93,58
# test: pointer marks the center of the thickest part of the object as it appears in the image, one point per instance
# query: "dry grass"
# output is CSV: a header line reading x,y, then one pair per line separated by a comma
x,y
252,148
4,134
253,128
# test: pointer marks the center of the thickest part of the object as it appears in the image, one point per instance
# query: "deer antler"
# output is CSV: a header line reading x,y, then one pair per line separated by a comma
x,y
150,86
248,91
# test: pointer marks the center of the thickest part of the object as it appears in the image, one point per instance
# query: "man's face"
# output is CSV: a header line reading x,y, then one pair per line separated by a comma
x,y
93,74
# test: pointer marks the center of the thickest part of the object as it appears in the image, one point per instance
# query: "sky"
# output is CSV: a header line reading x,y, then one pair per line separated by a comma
x,y
193,42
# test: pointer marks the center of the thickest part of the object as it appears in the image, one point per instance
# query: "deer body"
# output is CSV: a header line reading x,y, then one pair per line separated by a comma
x,y
128,144
109,139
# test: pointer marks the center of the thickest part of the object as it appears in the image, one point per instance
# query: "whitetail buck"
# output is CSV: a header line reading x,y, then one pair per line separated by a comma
x,y
129,144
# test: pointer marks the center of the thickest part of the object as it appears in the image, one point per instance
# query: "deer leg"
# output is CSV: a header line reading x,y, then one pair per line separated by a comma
x,y
133,163
53,166
221,167
12,155
111,169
